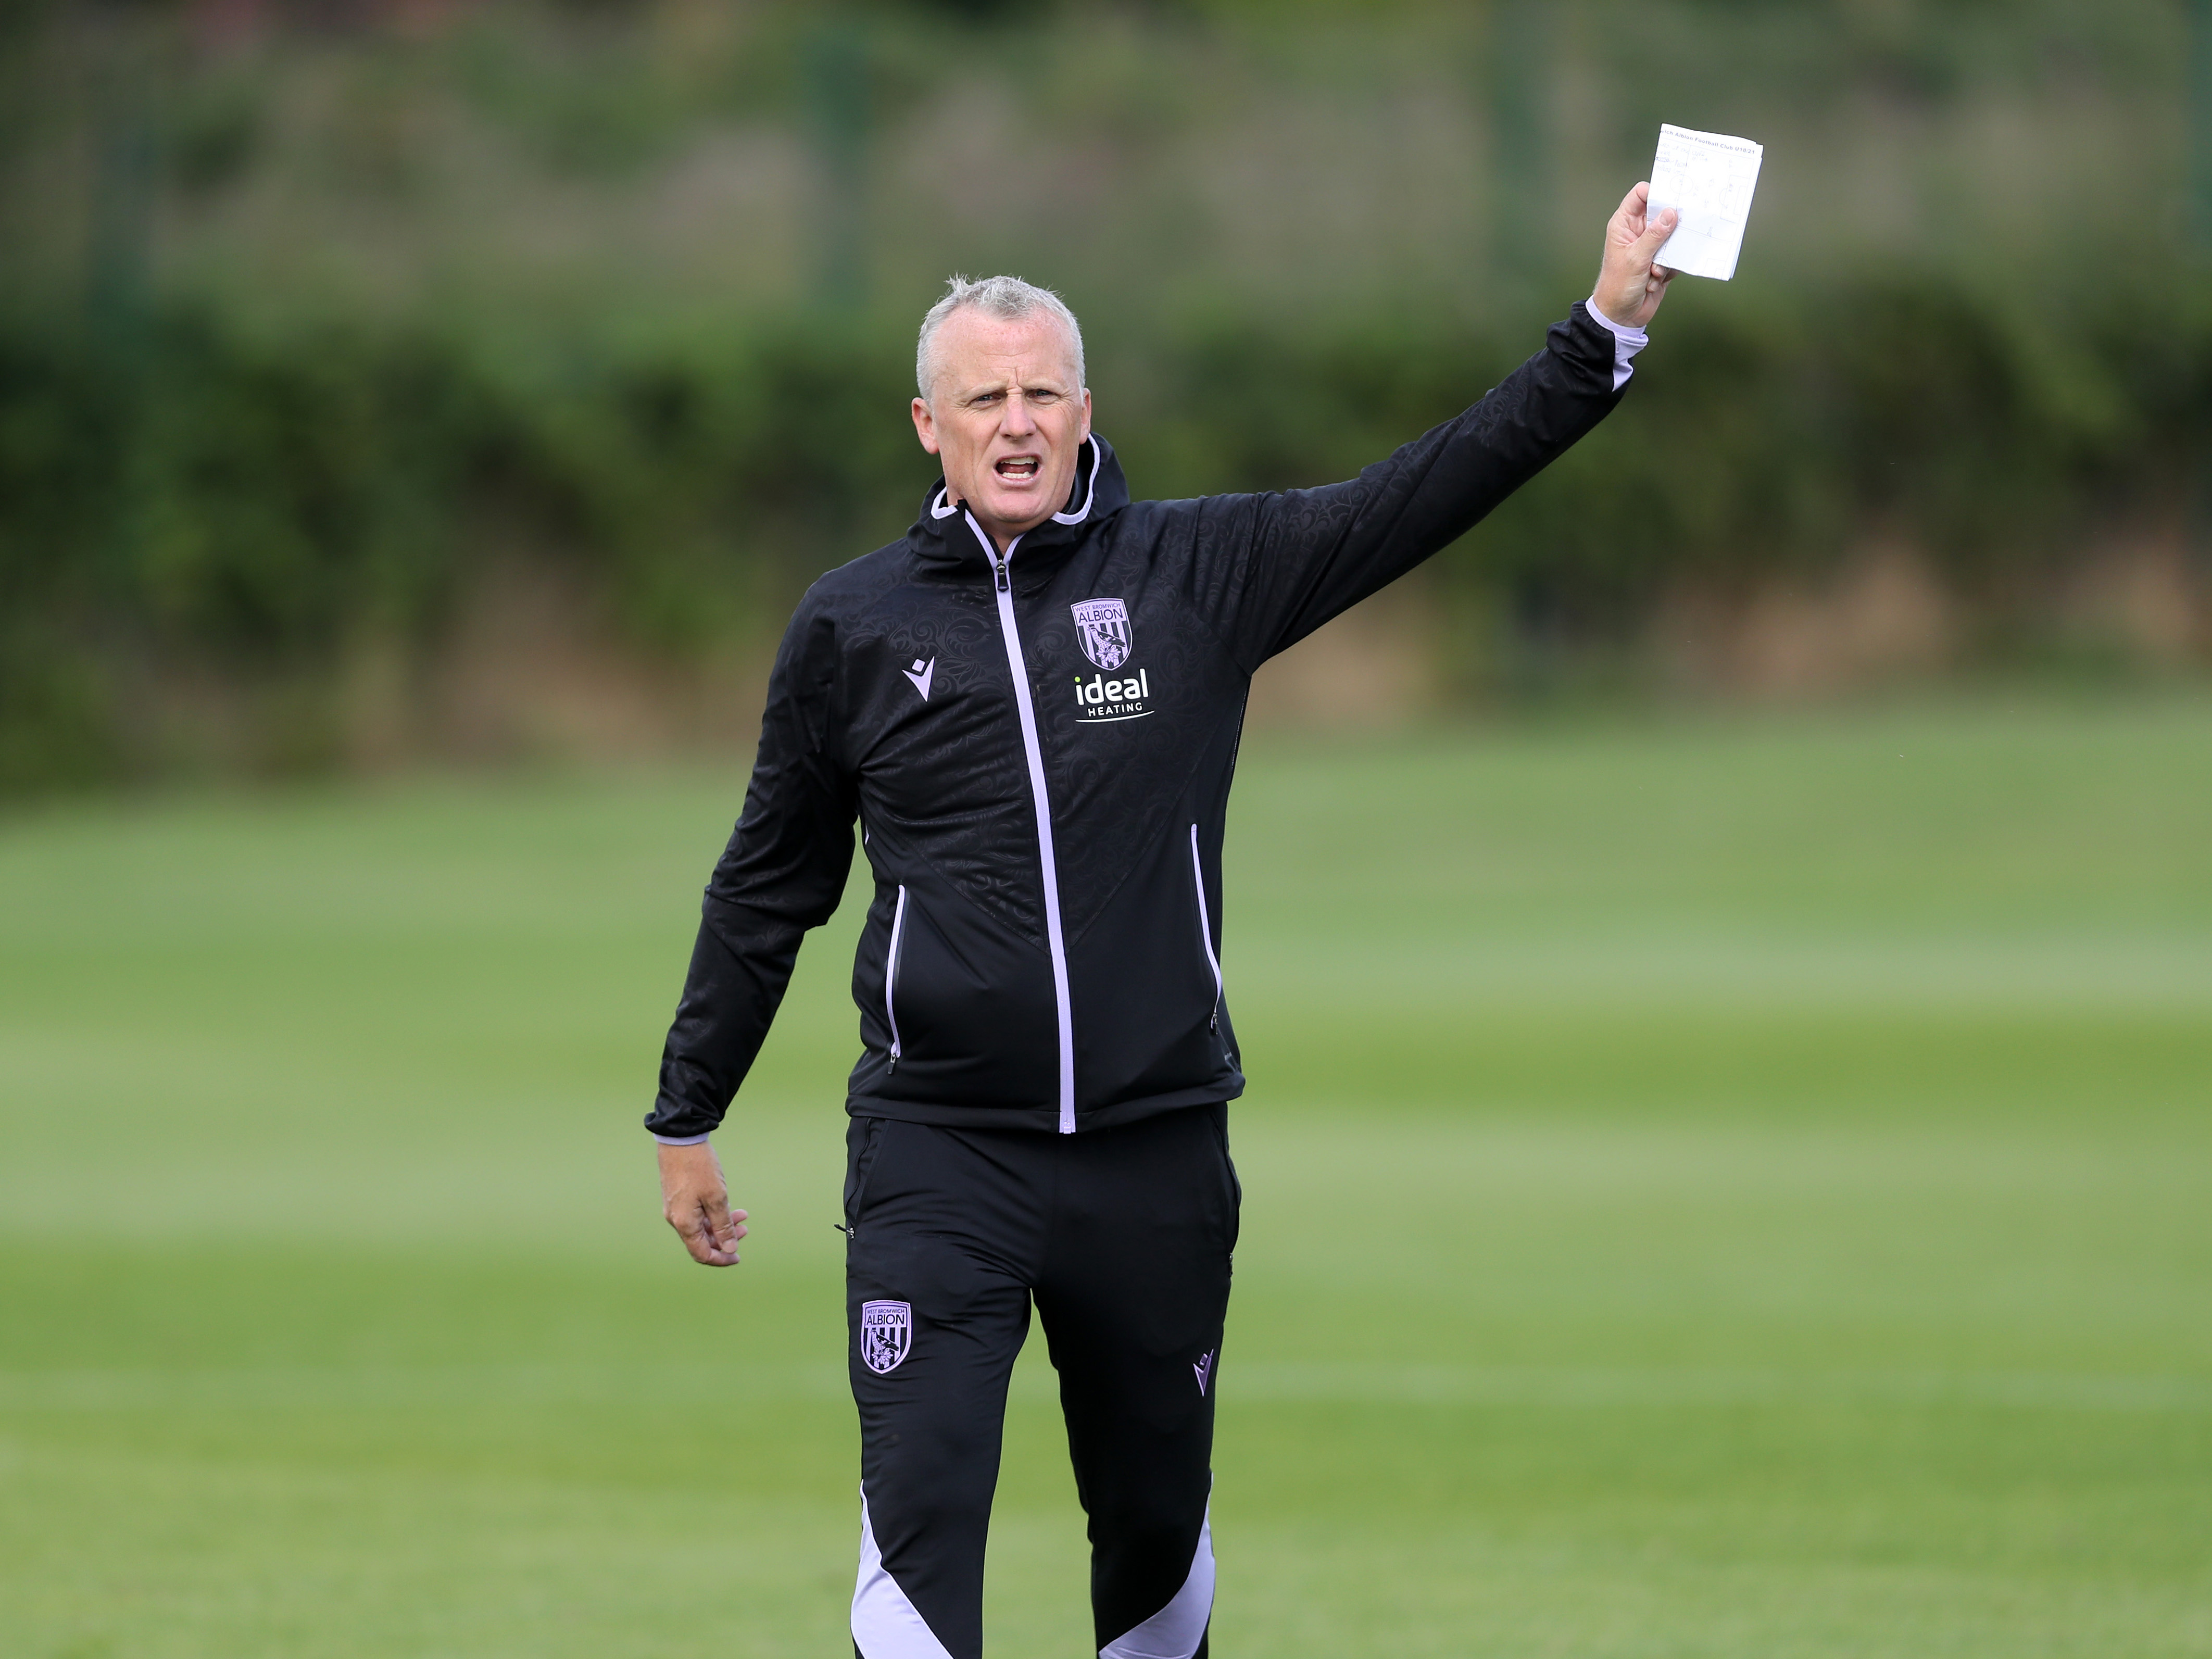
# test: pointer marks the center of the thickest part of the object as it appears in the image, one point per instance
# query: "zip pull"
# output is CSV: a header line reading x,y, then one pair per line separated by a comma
x,y
999,569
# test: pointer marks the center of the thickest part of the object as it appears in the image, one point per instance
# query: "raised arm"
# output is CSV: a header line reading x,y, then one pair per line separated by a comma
x,y
782,873
1281,565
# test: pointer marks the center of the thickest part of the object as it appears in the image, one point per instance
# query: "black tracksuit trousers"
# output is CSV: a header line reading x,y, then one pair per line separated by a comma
x,y
1122,1238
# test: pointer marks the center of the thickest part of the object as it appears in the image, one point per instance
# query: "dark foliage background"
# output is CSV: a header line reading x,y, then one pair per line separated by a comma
x,y
316,310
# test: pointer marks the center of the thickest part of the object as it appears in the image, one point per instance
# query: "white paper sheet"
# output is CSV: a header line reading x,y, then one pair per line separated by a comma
x,y
1707,178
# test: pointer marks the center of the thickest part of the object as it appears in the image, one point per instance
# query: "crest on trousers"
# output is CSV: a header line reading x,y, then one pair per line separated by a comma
x,y
886,1333
1102,625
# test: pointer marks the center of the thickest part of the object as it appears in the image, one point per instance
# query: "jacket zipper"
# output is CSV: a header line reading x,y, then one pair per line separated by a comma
x,y
1035,754
1206,931
890,974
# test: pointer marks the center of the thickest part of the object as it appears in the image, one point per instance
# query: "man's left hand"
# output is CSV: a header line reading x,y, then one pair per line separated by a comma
x,y
1629,286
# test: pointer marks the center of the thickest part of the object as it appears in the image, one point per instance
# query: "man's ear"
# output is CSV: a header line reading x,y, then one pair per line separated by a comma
x,y
925,425
1086,414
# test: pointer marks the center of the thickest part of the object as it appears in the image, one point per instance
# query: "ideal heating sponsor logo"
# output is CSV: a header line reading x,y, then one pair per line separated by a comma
x,y
1102,699
1102,627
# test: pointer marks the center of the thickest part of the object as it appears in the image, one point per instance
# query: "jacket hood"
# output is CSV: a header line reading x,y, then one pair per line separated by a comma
x,y
941,535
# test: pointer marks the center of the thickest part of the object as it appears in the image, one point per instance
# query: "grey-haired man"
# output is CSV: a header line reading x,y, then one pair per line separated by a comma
x,y
1030,703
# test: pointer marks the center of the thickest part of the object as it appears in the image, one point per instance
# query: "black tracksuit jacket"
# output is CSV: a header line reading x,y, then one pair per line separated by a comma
x,y
1038,748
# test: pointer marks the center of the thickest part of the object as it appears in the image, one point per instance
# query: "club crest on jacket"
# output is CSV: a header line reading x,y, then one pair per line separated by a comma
x,y
886,1333
1103,626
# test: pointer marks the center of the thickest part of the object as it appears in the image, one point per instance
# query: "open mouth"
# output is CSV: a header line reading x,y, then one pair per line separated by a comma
x,y
1018,468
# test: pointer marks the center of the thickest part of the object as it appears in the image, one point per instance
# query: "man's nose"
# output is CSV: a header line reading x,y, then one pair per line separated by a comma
x,y
1017,420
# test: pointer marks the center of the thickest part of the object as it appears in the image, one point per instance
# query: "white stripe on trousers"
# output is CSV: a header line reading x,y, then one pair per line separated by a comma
x,y
886,1624
1175,1632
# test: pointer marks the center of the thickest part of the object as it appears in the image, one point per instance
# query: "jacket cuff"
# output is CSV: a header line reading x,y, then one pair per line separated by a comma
x,y
682,1140
1626,341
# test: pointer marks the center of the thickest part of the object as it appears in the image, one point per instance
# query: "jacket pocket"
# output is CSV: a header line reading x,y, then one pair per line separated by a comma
x,y
965,1011
1150,1018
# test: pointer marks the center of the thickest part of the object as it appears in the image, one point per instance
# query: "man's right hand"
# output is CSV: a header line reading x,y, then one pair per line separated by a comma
x,y
697,1204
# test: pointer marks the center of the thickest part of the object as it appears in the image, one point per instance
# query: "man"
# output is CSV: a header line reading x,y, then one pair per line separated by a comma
x,y
1031,703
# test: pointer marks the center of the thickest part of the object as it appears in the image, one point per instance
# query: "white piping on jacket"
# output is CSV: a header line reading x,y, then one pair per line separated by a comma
x,y
1089,493
1034,753
1206,928
890,974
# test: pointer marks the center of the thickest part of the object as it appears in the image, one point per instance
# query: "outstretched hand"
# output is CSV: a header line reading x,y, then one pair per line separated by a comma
x,y
1629,286
697,1204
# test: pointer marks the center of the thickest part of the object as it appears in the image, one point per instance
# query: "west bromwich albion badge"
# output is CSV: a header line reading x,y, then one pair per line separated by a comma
x,y
1103,626
886,1333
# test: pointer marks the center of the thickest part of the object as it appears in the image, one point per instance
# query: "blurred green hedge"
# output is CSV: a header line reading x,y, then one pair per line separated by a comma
x,y
250,508
319,324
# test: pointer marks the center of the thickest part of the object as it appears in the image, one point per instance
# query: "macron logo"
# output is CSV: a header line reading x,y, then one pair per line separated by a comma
x,y
921,673
1204,1369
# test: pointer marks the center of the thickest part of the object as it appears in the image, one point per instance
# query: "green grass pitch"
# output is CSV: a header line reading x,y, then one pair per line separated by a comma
x,y
1715,1187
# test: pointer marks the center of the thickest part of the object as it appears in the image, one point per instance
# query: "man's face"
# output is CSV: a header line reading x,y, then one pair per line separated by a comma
x,y
1006,417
